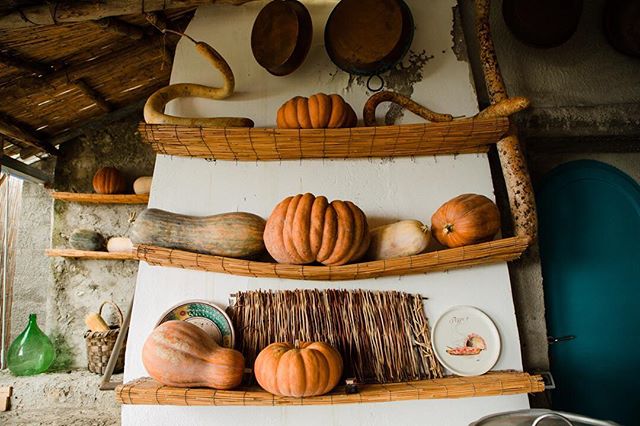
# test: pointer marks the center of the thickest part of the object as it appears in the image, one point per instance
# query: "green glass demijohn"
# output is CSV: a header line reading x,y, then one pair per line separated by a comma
x,y
32,352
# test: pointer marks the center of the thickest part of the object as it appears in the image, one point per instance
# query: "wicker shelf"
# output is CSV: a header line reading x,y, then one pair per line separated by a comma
x,y
90,255
479,254
102,198
147,391
467,135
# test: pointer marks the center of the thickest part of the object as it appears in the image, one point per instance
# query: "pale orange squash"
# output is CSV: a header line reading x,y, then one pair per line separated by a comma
x,y
317,112
303,229
109,180
299,370
178,353
466,219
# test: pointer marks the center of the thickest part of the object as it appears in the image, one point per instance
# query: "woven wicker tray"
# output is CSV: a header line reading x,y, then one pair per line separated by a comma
x,y
478,254
147,391
260,144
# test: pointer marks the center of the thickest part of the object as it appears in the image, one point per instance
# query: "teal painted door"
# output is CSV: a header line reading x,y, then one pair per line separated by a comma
x,y
589,215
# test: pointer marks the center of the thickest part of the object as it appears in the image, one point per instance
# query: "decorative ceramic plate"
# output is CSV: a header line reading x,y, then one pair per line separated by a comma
x,y
209,317
466,341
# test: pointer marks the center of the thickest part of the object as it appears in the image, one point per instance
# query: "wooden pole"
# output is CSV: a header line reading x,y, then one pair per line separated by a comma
x,y
80,70
118,26
96,97
21,64
512,159
11,129
59,12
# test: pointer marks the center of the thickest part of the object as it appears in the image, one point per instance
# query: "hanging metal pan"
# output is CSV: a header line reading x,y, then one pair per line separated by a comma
x,y
281,36
368,37
542,23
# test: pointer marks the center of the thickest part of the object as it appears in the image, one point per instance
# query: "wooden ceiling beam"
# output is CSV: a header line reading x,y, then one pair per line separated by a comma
x,y
23,65
68,12
91,93
11,129
120,27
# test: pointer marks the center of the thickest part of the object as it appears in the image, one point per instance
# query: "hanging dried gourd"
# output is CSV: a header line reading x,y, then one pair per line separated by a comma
x,y
154,107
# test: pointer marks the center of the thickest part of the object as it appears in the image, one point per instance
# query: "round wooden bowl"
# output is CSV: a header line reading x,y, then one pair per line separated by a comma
x,y
542,23
368,37
622,26
281,36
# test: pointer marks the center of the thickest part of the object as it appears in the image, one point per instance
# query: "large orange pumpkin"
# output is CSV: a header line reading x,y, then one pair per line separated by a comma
x,y
317,112
466,219
178,353
304,229
109,180
301,369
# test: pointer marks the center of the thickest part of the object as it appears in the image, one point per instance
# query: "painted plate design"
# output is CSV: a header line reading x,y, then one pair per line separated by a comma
x,y
466,341
209,317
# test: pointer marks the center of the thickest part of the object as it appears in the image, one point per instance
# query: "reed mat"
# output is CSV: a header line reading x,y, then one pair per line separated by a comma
x,y
441,260
146,391
383,336
461,136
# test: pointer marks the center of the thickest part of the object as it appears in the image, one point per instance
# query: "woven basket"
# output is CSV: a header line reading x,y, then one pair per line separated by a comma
x,y
100,345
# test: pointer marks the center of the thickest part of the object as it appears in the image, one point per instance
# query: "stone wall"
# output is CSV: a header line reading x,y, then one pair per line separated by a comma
x,y
61,290
33,277
79,286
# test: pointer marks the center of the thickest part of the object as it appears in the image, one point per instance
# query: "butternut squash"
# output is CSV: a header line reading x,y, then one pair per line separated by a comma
x,y
142,185
178,353
227,234
86,239
119,245
404,238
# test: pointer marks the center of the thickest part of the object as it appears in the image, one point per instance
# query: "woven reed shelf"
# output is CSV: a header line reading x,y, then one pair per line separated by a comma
x,y
90,255
102,198
442,260
260,144
147,391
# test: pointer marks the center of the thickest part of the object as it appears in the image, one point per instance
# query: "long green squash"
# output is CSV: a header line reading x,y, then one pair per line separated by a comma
x,y
228,234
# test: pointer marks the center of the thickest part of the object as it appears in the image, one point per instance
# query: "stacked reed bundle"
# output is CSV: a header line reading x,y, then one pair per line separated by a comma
x,y
149,392
248,144
441,260
383,336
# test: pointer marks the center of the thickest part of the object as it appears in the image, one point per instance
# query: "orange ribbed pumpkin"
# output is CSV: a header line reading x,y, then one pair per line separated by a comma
x,y
304,229
317,112
298,370
466,219
178,353
109,180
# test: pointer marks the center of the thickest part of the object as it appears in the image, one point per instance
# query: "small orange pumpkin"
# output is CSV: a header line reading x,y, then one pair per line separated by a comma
x,y
317,112
304,229
299,370
178,353
466,219
109,180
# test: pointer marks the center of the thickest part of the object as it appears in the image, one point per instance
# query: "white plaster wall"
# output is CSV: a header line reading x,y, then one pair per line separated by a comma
x,y
385,189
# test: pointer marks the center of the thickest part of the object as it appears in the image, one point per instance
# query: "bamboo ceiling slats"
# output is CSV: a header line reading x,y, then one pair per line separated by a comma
x,y
56,78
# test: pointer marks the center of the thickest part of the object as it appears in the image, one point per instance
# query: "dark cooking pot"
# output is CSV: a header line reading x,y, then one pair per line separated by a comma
x,y
281,36
622,25
368,37
542,23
